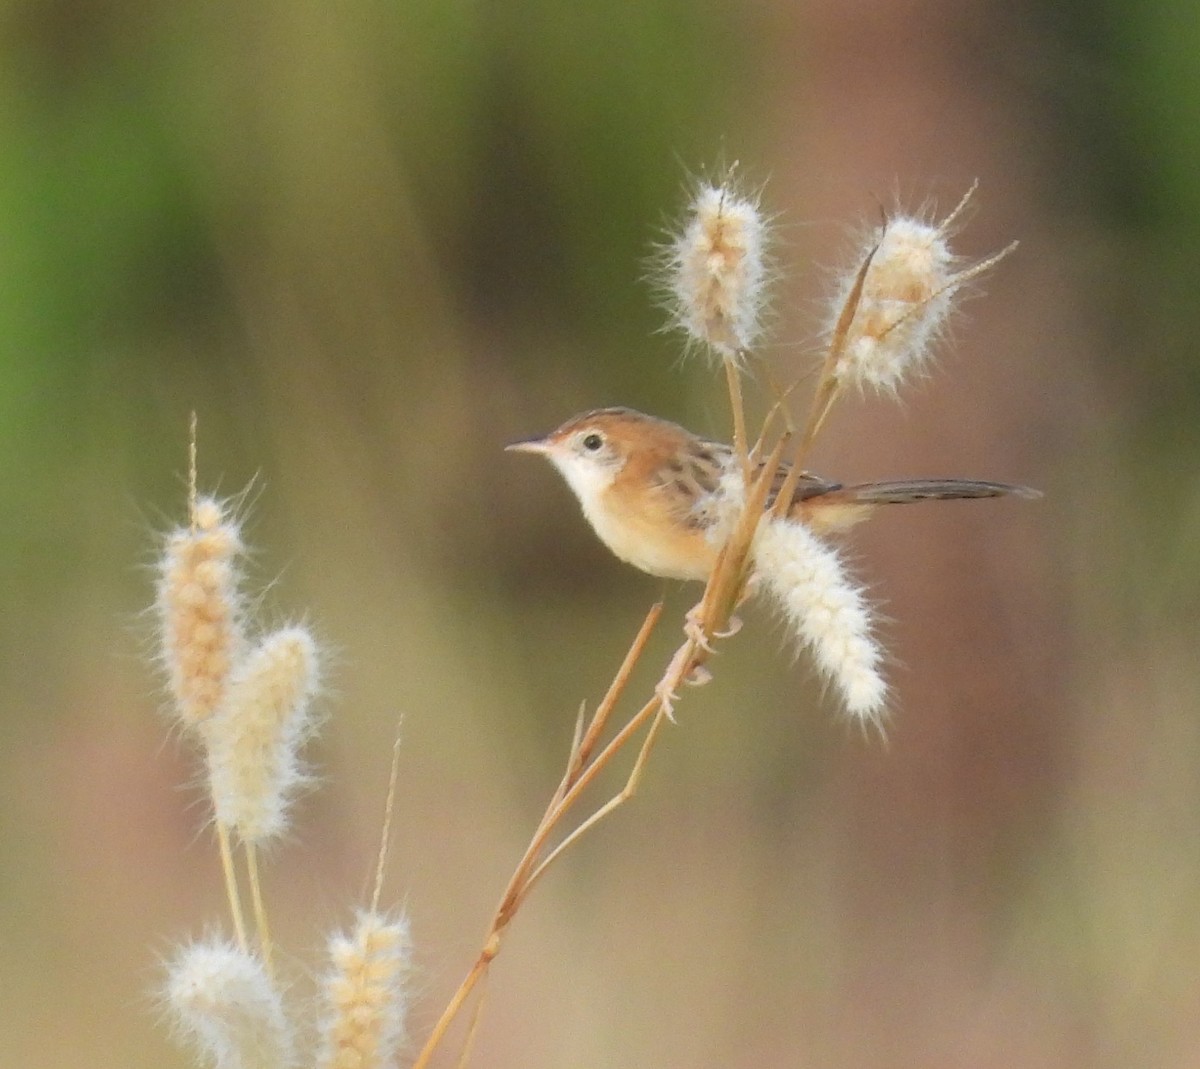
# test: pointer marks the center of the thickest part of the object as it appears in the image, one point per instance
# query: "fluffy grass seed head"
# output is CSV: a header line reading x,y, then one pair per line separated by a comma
x,y
223,1004
254,740
364,996
907,296
826,612
716,271
199,610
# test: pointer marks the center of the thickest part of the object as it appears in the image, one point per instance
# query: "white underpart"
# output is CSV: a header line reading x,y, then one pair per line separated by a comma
x,y
585,476
825,610
630,539
590,479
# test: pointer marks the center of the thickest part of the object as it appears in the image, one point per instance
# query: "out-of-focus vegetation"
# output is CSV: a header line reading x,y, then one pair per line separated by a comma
x,y
369,244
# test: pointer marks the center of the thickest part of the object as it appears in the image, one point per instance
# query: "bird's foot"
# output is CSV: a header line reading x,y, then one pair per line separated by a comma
x,y
693,628
666,700
731,628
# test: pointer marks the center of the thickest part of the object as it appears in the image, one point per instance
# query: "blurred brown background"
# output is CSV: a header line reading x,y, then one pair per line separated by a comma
x,y
371,243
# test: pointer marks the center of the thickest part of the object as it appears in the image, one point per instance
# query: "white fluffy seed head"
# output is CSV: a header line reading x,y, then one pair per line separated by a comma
x,y
907,296
825,611
199,611
364,997
254,741
716,271
223,1004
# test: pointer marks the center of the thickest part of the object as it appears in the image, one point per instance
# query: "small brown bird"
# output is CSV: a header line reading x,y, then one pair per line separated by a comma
x,y
665,500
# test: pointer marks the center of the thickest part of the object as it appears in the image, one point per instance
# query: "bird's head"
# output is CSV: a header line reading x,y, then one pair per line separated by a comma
x,y
592,449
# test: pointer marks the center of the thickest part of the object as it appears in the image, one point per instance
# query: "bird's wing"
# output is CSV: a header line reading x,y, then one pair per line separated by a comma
x,y
807,486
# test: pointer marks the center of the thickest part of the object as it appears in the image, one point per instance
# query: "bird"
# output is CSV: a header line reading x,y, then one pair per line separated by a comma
x,y
665,500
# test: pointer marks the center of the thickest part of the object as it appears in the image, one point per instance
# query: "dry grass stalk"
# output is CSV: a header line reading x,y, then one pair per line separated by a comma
x,y
824,608
248,705
252,709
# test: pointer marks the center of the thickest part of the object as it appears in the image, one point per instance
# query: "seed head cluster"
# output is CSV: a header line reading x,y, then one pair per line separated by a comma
x,y
249,699
825,610
905,298
254,741
716,271
224,1005
199,610
364,995
246,698
905,303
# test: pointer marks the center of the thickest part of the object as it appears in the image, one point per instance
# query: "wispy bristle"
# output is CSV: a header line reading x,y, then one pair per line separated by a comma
x,y
364,998
825,610
223,1004
254,742
199,611
717,271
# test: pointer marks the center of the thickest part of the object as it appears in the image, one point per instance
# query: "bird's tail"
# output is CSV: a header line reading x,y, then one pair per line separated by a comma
x,y
841,507
902,491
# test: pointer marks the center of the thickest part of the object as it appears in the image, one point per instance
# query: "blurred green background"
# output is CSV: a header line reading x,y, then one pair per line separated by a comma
x,y
369,244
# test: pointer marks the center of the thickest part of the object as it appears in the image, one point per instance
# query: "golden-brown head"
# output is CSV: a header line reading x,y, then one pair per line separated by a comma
x,y
591,449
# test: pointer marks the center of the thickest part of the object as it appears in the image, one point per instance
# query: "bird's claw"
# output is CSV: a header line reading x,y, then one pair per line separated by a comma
x,y
693,628
731,628
666,700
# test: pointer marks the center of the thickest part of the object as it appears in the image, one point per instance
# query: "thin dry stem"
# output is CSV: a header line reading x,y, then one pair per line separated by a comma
x,y
385,834
618,685
581,769
687,657
472,1030
532,865
459,998
734,383
576,739
984,265
192,478
619,799
725,589
778,410
578,782
828,387
945,225
260,909
231,886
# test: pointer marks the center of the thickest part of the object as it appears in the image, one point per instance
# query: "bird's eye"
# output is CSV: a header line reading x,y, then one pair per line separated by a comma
x,y
593,442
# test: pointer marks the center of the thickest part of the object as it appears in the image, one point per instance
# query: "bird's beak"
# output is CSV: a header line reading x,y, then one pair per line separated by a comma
x,y
530,445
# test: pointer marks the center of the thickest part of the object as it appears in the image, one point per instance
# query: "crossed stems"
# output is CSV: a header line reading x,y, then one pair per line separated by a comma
x,y
726,589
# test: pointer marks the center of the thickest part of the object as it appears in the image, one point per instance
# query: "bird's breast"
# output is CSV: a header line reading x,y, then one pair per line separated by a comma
x,y
643,533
